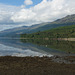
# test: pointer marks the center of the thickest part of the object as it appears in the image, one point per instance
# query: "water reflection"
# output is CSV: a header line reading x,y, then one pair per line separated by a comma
x,y
16,47
65,46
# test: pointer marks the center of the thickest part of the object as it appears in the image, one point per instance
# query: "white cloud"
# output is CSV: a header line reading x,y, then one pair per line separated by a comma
x,y
46,11
22,6
23,15
28,2
6,11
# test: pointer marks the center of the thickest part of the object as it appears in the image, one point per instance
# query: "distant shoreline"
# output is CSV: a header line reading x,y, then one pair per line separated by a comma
x,y
64,39
60,39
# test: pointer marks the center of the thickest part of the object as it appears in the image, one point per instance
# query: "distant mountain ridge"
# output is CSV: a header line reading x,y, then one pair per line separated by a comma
x,y
66,21
20,30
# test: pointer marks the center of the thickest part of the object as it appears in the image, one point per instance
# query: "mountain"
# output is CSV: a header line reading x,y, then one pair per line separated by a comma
x,y
15,32
60,32
66,21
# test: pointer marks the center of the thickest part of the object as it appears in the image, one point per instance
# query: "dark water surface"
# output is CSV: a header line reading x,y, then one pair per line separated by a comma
x,y
17,47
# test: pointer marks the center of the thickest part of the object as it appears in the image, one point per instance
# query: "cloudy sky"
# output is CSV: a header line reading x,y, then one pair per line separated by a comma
x,y
15,13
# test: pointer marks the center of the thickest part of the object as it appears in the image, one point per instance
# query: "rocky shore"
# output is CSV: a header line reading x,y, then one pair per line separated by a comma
x,y
37,65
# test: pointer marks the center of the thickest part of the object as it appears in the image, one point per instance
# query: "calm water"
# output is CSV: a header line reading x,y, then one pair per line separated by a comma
x,y
16,47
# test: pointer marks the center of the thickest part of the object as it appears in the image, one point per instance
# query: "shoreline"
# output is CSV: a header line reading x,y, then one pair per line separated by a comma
x,y
60,39
56,59
66,39
37,65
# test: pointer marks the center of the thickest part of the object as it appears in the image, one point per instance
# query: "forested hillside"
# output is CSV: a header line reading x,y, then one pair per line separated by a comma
x,y
61,32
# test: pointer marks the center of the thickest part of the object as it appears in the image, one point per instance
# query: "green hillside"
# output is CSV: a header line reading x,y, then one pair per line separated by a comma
x,y
61,32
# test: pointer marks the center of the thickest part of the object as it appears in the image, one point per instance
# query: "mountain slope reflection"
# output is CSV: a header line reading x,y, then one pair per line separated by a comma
x,y
15,47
